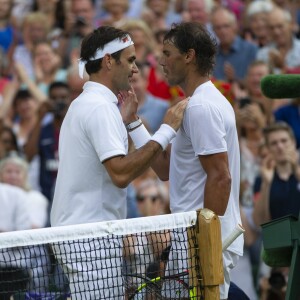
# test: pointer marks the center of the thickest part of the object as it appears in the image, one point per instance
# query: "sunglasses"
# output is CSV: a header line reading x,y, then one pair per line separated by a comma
x,y
141,198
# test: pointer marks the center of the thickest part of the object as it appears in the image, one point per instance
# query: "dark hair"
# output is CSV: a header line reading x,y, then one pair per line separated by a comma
x,y
278,126
160,34
58,84
192,35
13,137
277,280
97,40
22,94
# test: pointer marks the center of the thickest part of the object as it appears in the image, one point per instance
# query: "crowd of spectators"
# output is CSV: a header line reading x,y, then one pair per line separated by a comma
x,y
39,50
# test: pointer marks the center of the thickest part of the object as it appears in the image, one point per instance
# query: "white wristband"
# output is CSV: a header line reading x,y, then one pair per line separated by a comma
x,y
133,125
140,136
164,135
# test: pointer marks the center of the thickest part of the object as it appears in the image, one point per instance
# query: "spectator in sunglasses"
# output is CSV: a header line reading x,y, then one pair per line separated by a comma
x,y
151,198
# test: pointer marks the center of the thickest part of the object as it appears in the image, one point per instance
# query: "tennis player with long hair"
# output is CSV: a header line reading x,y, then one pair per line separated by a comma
x,y
203,161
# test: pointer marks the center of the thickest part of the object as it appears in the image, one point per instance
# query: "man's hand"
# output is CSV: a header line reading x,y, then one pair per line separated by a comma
x,y
44,108
276,59
268,168
292,156
229,72
128,105
174,114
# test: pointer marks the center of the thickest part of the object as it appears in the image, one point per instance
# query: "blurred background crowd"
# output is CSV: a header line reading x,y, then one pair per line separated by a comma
x,y
39,51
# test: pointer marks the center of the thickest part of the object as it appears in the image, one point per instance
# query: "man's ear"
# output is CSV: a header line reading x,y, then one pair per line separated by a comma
x,y
190,55
107,61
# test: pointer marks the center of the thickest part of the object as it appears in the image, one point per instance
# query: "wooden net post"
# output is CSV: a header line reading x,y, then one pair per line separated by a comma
x,y
209,252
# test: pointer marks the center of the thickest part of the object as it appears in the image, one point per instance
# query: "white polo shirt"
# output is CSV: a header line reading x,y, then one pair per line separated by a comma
x,y
13,213
92,132
208,127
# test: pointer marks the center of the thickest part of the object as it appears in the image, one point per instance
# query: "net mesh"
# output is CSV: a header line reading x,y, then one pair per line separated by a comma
x,y
143,258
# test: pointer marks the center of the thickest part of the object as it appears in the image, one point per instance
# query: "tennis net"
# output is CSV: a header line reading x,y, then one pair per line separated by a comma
x,y
144,258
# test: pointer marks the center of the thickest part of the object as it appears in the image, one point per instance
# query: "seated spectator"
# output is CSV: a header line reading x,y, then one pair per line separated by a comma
x,y
280,176
142,250
283,52
116,11
155,14
251,91
256,22
251,122
13,216
14,212
199,11
234,53
150,198
35,28
47,66
43,140
25,106
14,171
80,20
293,8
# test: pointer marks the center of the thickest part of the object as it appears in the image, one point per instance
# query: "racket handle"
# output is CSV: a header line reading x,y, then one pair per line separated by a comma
x,y
237,231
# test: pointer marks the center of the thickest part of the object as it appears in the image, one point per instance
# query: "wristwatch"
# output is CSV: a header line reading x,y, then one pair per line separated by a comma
x,y
133,124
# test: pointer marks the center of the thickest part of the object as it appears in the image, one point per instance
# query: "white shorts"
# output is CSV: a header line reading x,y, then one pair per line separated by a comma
x,y
230,260
94,269
178,261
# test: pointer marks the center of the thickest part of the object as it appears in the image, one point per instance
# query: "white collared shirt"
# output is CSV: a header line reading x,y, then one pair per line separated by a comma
x,y
92,132
208,127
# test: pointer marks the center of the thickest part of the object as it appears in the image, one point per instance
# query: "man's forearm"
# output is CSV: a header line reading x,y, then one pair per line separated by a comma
x,y
261,212
161,165
216,194
31,147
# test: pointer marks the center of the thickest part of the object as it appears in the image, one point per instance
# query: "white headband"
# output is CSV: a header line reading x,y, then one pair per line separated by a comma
x,y
111,47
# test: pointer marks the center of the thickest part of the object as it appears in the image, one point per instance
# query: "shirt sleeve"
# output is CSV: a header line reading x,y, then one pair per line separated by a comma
x,y
205,127
105,130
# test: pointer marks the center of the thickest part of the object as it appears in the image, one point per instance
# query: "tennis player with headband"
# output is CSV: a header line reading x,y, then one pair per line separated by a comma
x,y
94,165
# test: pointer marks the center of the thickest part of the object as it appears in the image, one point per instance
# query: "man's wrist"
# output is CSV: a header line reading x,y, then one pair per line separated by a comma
x,y
133,125
164,135
140,136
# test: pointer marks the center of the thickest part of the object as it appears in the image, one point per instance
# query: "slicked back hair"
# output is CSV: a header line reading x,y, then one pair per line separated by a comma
x,y
192,35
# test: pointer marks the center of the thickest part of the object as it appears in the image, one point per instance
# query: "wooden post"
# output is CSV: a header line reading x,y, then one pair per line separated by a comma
x,y
209,241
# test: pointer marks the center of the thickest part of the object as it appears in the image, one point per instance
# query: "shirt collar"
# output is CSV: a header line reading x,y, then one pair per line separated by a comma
x,y
101,89
201,86
235,46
